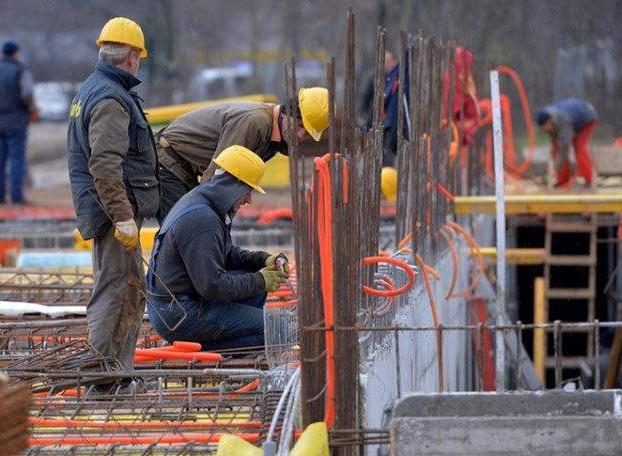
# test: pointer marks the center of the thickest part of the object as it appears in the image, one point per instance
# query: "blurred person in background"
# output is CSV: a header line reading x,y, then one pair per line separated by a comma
x,y
567,121
113,175
189,144
390,107
16,108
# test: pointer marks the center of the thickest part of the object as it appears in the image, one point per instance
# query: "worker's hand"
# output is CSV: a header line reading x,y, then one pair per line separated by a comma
x,y
277,262
273,279
127,234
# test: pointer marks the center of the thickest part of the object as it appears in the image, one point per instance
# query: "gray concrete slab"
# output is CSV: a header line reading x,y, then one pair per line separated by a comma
x,y
511,436
526,403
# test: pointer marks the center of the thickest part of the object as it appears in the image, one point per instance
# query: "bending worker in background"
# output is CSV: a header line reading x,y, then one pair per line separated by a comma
x,y
219,289
565,121
113,174
187,146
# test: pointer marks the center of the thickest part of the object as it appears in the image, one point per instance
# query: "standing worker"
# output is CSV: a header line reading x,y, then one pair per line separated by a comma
x,y
16,106
202,287
565,121
113,174
187,146
390,107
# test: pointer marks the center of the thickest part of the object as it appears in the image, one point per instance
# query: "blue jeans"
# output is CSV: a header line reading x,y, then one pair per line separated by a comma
x,y
13,149
215,325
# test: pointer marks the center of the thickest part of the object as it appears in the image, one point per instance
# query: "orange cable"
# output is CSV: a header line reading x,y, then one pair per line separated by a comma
x,y
455,271
395,262
475,250
132,440
425,270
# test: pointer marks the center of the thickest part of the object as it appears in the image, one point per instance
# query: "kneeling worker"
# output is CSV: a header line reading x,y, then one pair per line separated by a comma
x,y
187,146
219,289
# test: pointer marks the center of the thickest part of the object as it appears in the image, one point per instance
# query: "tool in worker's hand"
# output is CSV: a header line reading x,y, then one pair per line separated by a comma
x,y
282,263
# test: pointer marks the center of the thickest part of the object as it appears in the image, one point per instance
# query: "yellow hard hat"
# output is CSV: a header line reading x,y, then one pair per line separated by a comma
x,y
243,164
122,30
313,103
388,183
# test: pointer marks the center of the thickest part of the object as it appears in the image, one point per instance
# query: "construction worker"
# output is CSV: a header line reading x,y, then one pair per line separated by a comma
x,y
188,145
16,106
388,183
113,174
389,113
566,121
202,287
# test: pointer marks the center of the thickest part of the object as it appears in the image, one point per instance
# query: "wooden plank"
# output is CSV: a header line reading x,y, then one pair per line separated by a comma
x,y
539,335
554,203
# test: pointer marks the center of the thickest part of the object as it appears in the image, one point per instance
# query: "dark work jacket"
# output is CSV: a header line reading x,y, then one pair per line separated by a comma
x,y
13,109
194,255
572,111
139,166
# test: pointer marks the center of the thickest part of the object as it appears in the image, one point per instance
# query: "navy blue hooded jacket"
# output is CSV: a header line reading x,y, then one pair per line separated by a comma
x,y
195,255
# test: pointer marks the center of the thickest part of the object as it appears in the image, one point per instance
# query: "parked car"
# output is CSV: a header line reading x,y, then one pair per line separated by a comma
x,y
53,99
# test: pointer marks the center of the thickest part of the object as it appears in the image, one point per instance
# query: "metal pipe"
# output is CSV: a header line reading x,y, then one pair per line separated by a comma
x,y
497,128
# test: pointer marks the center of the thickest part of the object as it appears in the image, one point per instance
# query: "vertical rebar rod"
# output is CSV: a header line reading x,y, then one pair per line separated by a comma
x,y
596,354
557,352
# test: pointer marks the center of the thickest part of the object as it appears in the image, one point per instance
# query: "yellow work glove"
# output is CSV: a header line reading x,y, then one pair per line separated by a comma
x,y
271,262
273,279
127,234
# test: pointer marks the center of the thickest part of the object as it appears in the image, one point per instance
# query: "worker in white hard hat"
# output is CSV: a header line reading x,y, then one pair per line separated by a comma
x,y
202,287
188,146
113,175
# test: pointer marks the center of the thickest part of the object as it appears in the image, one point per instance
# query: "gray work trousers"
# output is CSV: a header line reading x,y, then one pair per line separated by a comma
x,y
115,311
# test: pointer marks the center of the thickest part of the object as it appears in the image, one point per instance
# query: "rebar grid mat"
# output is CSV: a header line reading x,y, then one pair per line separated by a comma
x,y
43,287
175,417
518,361
122,450
21,338
15,404
77,356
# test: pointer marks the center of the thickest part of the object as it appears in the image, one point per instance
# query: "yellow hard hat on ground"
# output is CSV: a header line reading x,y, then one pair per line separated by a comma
x,y
313,103
388,183
243,164
122,30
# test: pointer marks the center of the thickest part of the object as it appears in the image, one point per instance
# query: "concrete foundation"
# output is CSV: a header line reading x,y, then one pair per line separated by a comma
x,y
518,423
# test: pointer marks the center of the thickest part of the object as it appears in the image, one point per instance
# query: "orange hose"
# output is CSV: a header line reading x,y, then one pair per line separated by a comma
x,y
269,217
325,241
475,250
531,136
159,354
486,106
395,262
120,426
435,319
183,346
143,440
455,270
281,304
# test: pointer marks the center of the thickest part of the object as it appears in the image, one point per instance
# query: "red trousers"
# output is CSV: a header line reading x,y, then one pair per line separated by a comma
x,y
582,156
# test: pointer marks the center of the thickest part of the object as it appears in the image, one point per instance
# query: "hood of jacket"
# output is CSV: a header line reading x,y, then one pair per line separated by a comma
x,y
223,191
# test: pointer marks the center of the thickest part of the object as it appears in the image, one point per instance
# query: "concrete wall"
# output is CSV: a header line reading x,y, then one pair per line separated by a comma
x,y
417,358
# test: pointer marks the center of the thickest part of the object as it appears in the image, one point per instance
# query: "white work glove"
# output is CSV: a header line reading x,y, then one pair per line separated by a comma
x,y
126,233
